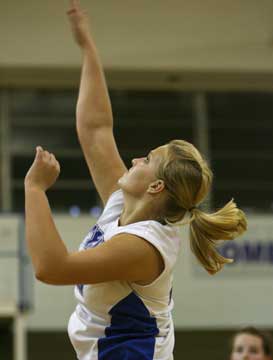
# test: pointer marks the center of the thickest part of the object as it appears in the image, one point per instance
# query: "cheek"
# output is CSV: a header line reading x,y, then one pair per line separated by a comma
x,y
136,175
137,182
134,181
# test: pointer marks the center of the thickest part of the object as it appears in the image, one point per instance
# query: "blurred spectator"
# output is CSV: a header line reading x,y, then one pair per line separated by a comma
x,y
250,343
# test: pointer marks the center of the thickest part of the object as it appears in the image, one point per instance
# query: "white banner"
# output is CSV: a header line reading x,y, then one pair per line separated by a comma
x,y
252,252
239,295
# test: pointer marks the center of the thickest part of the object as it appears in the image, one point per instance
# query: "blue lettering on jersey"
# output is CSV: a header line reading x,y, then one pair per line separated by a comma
x,y
93,239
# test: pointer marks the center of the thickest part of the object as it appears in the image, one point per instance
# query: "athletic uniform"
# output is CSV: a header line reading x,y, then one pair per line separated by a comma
x,y
119,320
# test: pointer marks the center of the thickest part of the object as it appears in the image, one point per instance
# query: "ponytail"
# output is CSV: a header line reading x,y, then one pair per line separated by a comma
x,y
188,178
207,229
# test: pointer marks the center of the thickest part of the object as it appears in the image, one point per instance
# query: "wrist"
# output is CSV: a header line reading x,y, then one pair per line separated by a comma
x,y
33,187
88,46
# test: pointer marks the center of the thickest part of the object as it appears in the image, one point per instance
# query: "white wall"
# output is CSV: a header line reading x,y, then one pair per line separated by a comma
x,y
9,244
174,34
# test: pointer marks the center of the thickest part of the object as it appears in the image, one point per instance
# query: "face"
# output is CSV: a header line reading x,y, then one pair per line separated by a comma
x,y
142,173
248,347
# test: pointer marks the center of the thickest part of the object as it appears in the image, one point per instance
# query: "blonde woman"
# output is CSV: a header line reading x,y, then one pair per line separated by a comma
x,y
123,269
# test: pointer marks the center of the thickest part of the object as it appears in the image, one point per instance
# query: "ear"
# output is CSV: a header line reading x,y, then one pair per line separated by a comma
x,y
156,187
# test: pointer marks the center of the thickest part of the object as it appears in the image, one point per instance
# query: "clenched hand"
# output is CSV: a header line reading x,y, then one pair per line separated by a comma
x,y
79,24
44,171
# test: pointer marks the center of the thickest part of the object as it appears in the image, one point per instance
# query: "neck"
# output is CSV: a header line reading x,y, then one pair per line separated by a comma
x,y
135,210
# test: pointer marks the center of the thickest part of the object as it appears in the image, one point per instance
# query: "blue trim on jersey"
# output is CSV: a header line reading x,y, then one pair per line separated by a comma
x,y
131,335
170,295
92,239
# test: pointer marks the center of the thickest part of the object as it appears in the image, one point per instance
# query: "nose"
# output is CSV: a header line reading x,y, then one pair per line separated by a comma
x,y
135,161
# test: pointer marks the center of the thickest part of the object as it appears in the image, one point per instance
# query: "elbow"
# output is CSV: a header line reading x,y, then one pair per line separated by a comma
x,y
42,276
45,276
87,124
93,110
84,132
51,275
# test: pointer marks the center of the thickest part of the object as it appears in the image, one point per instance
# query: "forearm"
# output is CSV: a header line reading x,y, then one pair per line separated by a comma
x,y
45,245
94,106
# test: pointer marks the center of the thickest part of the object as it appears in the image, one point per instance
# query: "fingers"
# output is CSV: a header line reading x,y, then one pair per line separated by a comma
x,y
44,155
39,152
58,167
55,162
74,6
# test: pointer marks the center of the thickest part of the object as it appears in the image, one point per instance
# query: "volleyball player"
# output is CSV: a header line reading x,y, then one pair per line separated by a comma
x,y
123,269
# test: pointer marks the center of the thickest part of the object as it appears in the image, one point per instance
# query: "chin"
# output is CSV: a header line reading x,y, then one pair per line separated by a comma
x,y
124,184
121,180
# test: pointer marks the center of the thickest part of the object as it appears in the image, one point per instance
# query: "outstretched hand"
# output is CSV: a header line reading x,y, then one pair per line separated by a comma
x,y
44,171
79,24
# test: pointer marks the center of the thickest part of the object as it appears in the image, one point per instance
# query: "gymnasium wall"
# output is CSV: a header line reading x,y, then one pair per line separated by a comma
x,y
175,34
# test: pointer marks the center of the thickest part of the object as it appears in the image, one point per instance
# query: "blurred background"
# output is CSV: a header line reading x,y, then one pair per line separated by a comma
x,y
195,70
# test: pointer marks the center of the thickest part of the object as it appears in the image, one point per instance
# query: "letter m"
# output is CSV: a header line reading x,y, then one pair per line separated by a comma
x,y
253,252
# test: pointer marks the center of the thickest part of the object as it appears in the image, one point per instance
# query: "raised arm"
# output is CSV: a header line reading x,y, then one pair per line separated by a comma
x,y
94,113
51,260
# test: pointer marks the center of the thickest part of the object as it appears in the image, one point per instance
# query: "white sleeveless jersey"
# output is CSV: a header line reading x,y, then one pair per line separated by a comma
x,y
119,320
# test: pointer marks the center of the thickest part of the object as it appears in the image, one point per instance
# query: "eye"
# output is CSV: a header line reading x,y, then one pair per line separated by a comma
x,y
254,350
146,160
238,349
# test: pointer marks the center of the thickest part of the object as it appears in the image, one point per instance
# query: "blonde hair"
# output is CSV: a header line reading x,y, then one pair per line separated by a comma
x,y
188,179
